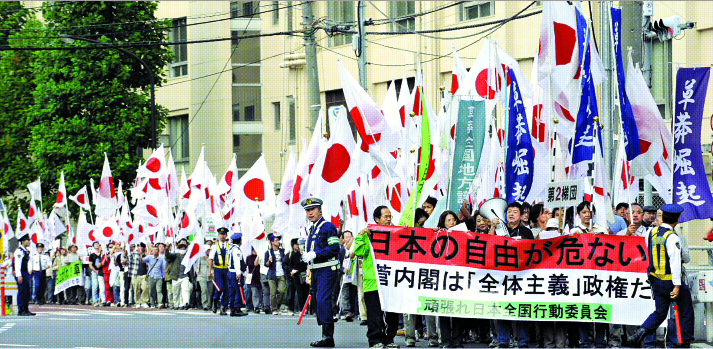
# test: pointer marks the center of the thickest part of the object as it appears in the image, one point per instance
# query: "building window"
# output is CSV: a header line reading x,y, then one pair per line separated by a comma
x,y
410,83
275,12
250,113
400,9
341,12
244,9
236,112
179,66
178,137
236,142
247,149
476,9
289,16
278,116
291,118
336,98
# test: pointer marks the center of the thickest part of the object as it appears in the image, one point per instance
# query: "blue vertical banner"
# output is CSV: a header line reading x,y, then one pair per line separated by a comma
x,y
470,134
519,169
628,121
584,138
690,184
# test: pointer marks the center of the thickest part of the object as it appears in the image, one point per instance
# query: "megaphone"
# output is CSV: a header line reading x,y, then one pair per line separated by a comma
x,y
496,208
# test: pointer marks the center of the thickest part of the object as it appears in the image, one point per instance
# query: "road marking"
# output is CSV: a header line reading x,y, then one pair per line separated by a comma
x,y
18,345
154,313
63,313
7,326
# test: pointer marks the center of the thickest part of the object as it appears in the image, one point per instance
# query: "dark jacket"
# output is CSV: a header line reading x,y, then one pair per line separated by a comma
x,y
254,270
296,263
271,273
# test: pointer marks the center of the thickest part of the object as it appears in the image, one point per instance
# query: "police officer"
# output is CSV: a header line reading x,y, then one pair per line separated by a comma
x,y
218,264
235,274
40,263
22,275
665,277
321,256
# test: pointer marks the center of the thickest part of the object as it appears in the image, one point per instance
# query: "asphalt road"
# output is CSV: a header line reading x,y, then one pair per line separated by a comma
x,y
89,327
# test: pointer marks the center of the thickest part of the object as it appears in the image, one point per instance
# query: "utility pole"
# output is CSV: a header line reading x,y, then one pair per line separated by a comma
x,y
315,103
647,13
361,43
607,117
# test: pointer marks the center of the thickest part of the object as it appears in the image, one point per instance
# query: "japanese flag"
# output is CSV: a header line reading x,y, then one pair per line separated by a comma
x,y
81,199
459,74
654,136
226,182
54,227
155,166
149,211
61,193
188,223
255,188
85,231
106,201
32,213
194,252
284,199
6,227
107,229
173,186
23,226
334,170
198,177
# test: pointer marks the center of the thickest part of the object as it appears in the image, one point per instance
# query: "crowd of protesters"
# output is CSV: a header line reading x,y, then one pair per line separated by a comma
x,y
276,282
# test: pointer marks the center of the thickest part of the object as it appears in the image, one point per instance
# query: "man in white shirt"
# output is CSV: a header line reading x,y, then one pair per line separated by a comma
x,y
40,263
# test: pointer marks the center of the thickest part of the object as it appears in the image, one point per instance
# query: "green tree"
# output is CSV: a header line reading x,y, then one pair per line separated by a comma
x,y
94,101
16,88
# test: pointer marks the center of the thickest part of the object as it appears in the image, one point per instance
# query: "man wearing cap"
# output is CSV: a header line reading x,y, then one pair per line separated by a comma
x,y
321,257
218,264
22,275
665,277
649,216
40,263
235,275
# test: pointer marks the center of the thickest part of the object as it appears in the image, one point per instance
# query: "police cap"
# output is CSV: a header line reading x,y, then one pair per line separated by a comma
x,y
24,238
39,244
223,231
650,209
671,211
236,236
310,203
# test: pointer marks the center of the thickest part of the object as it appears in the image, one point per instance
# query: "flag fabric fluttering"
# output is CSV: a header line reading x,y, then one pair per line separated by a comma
x,y
61,193
520,158
407,217
81,199
628,121
105,200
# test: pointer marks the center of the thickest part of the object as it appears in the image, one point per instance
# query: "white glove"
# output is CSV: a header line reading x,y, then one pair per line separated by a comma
x,y
309,256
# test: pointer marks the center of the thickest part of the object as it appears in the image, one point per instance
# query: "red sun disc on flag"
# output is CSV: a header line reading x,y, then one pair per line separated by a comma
x,y
108,232
34,239
155,183
195,250
185,221
91,236
32,211
23,224
81,199
338,160
152,210
130,239
296,190
153,165
255,190
229,177
565,41
60,197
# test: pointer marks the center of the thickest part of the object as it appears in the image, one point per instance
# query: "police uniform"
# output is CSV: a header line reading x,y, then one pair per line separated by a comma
x,y
22,269
220,256
321,254
40,263
664,274
235,268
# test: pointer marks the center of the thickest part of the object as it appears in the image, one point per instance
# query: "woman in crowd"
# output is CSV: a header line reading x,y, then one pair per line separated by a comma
x,y
452,328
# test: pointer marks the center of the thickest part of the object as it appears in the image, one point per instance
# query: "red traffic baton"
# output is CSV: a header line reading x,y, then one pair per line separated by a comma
x,y
678,322
216,286
242,295
304,310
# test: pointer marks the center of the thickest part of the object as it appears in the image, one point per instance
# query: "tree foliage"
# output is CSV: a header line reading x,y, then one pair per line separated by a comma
x,y
16,98
88,102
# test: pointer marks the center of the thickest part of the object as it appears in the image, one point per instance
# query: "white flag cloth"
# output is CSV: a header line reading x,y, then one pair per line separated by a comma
x,y
105,200
256,188
85,231
35,189
155,166
334,170
23,227
226,182
107,229
193,253
61,193
654,136
284,199
7,227
81,199
173,184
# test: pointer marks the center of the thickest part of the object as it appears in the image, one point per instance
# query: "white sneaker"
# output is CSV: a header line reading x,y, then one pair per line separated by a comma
x,y
145,306
136,306
343,317
288,313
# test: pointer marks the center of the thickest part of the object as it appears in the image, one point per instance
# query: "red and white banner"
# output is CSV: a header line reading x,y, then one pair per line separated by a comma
x,y
588,278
